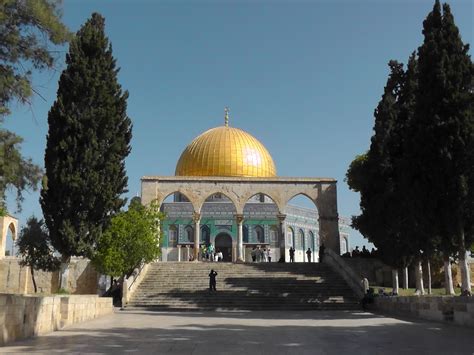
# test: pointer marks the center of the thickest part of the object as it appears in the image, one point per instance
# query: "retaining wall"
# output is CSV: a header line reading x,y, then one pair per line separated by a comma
x,y
457,310
25,316
82,278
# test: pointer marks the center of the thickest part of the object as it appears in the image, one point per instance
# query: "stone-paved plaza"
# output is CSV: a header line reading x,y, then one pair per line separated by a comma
x,y
274,332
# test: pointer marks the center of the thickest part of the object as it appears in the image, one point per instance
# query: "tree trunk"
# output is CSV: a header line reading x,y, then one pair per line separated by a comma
x,y
448,276
428,270
395,289
419,278
64,274
463,266
405,278
33,278
465,274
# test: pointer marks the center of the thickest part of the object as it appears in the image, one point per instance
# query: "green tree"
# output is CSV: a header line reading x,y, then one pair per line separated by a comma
x,y
441,137
27,30
35,250
131,239
27,27
376,175
16,171
88,140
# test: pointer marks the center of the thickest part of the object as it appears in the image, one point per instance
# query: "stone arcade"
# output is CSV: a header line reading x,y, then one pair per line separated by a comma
x,y
226,192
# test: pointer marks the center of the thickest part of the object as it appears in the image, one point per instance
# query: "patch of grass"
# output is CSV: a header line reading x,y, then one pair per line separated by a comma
x,y
62,291
411,291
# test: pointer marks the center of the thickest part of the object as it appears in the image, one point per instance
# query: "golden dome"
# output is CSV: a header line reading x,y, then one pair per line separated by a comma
x,y
225,151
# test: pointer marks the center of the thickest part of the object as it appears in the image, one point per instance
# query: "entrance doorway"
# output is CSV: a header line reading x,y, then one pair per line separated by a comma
x,y
224,244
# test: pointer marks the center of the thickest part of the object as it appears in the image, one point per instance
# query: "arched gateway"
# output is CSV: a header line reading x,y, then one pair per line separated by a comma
x,y
224,244
223,170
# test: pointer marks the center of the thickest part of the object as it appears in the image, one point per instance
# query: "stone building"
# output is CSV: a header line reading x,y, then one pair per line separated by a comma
x,y
226,192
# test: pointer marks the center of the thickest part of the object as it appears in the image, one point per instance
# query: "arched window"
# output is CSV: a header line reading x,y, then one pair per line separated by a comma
x,y
205,235
246,233
291,236
172,236
344,245
274,236
189,234
299,243
259,234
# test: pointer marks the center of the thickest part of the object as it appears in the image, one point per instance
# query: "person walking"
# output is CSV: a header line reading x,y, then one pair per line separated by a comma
x,y
212,280
292,255
269,254
308,254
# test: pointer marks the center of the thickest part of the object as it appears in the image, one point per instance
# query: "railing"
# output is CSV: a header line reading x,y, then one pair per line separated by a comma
x,y
357,283
131,283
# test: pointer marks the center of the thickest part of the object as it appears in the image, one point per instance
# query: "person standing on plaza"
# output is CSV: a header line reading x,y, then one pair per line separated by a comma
x,y
269,254
212,280
292,255
265,255
308,254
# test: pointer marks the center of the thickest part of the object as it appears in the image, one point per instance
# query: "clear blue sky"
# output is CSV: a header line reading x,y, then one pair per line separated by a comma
x,y
303,77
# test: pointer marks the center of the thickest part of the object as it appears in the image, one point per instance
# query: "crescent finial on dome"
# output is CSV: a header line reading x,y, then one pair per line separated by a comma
x,y
226,116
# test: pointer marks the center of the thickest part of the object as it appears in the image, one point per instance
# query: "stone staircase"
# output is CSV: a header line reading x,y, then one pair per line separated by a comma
x,y
256,286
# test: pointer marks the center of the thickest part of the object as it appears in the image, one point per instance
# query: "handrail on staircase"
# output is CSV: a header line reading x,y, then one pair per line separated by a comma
x,y
135,275
134,280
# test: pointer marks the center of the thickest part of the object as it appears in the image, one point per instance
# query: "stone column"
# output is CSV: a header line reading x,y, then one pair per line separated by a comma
x,y
240,238
197,230
234,252
281,221
179,252
329,232
328,218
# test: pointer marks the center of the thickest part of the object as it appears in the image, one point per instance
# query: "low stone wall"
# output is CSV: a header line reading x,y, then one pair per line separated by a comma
x,y
457,310
25,316
82,278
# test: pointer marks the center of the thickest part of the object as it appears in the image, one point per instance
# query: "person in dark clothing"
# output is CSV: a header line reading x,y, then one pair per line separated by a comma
x,y
321,252
212,280
308,254
292,255
115,292
254,254
368,298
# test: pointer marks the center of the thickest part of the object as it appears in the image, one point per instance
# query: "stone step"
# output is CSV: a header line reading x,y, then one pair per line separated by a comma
x,y
318,307
270,286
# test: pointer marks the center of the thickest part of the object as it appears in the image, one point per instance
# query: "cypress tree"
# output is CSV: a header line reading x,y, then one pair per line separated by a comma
x,y
88,139
442,136
375,175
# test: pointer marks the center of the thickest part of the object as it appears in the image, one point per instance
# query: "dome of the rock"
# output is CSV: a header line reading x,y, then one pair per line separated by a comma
x,y
226,151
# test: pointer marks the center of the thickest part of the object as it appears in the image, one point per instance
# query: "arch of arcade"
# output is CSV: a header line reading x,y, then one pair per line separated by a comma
x,y
197,189
7,223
